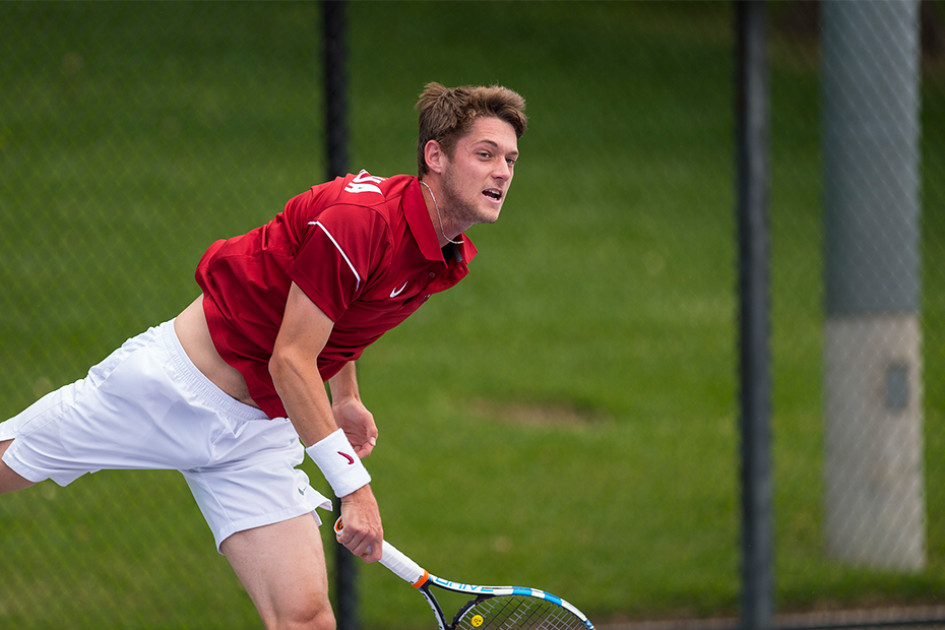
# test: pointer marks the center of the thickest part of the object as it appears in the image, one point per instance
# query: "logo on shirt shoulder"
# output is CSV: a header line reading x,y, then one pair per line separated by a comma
x,y
395,292
358,185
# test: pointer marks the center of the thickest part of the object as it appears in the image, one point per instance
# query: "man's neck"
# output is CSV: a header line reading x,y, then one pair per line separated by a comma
x,y
446,234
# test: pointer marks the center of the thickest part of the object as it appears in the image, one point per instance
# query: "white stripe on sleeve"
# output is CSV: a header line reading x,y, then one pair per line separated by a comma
x,y
357,277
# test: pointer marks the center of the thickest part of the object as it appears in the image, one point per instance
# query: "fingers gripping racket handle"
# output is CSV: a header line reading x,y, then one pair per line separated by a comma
x,y
397,562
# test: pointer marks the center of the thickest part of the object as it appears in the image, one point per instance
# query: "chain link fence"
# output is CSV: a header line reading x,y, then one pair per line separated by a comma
x,y
598,324
132,135
857,321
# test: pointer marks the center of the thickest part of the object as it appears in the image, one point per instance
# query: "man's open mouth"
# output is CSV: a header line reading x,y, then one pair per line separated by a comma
x,y
493,193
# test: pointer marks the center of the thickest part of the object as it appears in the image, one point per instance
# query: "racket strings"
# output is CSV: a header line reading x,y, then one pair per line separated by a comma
x,y
516,612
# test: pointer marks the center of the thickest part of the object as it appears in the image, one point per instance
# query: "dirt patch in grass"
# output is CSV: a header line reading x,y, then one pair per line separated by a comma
x,y
544,414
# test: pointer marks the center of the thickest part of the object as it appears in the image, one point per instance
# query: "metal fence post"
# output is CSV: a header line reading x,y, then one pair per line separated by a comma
x,y
875,511
752,114
336,133
334,59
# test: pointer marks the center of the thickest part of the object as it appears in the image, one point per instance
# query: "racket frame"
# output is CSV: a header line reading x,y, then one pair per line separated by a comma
x,y
495,591
406,569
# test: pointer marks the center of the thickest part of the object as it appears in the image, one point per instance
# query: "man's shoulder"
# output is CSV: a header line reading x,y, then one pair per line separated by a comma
x,y
382,195
354,196
365,189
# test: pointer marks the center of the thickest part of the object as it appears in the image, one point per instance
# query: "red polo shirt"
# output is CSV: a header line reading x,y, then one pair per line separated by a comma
x,y
362,248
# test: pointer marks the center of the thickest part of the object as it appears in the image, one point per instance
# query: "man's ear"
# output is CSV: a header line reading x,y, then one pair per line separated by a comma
x,y
433,154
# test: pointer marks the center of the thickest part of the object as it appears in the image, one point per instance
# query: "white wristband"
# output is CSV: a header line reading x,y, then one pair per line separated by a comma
x,y
338,462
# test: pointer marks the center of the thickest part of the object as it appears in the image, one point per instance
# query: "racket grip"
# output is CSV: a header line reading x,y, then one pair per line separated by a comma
x,y
397,562
402,566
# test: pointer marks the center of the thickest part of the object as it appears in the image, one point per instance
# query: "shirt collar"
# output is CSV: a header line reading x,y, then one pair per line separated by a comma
x,y
415,209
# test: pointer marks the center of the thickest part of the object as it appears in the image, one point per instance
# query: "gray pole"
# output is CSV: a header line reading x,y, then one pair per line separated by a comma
x,y
757,597
873,468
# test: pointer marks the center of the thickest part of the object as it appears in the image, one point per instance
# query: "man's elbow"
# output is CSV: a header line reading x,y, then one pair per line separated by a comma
x,y
284,364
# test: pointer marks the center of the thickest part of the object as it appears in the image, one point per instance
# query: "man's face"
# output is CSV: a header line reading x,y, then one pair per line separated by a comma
x,y
477,178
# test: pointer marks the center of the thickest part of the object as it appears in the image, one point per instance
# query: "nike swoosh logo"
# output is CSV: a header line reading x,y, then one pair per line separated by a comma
x,y
348,457
397,292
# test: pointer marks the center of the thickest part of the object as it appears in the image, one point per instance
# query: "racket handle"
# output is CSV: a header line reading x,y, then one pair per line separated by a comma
x,y
402,566
397,562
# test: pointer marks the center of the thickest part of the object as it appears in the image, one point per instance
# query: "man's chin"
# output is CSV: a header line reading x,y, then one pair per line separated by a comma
x,y
491,215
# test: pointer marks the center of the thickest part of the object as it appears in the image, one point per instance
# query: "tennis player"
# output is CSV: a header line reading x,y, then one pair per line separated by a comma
x,y
231,392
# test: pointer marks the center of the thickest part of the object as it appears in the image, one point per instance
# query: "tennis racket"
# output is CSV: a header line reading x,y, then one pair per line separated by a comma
x,y
491,607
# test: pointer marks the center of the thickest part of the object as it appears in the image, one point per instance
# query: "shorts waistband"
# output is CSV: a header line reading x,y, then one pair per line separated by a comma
x,y
223,402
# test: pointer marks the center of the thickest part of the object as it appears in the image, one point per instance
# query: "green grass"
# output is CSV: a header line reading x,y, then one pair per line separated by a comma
x,y
566,418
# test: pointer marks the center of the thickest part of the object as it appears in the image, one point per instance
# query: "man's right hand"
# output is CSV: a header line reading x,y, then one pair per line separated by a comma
x,y
362,534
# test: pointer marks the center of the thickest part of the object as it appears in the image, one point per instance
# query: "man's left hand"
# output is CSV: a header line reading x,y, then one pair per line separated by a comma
x,y
358,424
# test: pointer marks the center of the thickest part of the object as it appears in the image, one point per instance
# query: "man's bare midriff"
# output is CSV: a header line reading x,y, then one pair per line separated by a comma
x,y
191,328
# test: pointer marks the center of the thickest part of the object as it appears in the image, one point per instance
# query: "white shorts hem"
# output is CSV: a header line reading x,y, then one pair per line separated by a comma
x,y
268,519
24,470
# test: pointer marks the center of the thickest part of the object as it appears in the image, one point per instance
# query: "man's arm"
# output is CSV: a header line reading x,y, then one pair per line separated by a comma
x,y
350,413
302,336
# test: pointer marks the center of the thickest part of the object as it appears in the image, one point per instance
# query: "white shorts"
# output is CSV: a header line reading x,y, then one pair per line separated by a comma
x,y
147,407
